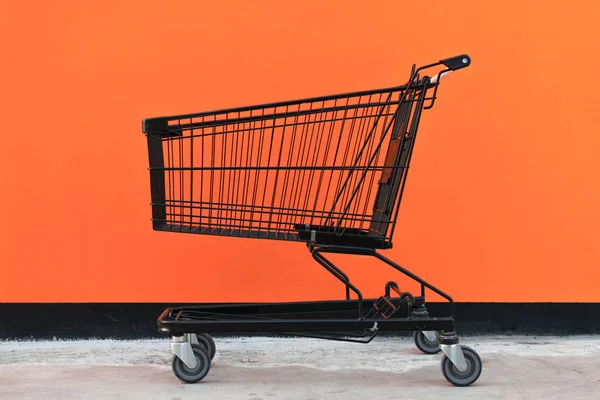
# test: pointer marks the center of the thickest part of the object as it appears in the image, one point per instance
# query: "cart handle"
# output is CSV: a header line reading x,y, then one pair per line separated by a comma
x,y
458,62
452,64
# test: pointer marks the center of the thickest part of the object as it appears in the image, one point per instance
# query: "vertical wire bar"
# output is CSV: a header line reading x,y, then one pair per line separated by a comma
x,y
231,171
297,183
168,202
246,170
368,169
319,128
243,158
240,193
167,150
172,181
372,119
334,162
277,228
304,121
202,172
219,172
258,173
224,172
286,179
212,176
234,152
304,187
356,157
248,207
191,202
251,174
268,224
338,188
315,163
332,125
181,184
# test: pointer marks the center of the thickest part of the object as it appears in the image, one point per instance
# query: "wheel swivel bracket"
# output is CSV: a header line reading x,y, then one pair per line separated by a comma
x,y
450,347
430,335
181,347
455,354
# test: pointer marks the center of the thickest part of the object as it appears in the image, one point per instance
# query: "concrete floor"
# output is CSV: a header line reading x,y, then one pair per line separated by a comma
x,y
270,368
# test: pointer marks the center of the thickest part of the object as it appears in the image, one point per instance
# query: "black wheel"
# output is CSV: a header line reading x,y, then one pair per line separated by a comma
x,y
425,345
470,375
196,374
208,343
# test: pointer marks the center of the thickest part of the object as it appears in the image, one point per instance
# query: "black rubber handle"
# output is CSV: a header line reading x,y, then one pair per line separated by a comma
x,y
457,62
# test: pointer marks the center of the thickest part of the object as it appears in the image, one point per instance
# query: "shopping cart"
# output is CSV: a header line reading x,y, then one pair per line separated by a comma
x,y
326,171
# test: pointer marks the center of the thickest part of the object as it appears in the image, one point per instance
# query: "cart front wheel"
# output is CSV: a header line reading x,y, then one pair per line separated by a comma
x,y
208,343
196,374
467,377
426,345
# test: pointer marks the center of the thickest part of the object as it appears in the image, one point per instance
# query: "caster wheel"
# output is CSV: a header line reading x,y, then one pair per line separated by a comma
x,y
208,343
425,345
470,375
196,374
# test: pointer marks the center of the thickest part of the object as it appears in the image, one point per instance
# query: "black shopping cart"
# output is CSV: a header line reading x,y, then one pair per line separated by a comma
x,y
326,171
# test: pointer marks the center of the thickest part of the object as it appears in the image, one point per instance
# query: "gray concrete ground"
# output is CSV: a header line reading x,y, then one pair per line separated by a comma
x,y
275,368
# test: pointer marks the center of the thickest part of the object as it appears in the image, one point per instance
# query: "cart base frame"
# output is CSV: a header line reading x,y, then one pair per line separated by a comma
x,y
352,320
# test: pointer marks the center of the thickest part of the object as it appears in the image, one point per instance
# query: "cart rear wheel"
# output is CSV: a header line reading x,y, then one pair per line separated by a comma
x,y
208,343
470,375
196,374
425,345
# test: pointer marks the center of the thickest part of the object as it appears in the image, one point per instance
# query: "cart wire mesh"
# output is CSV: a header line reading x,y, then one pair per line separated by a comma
x,y
325,169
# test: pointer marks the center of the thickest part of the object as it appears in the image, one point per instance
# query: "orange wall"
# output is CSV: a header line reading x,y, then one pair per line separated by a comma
x,y
502,202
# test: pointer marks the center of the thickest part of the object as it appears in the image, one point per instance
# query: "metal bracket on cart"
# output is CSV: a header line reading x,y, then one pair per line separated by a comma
x,y
430,335
452,350
455,354
181,346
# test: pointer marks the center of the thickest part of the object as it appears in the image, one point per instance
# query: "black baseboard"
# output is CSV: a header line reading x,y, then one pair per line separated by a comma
x,y
42,321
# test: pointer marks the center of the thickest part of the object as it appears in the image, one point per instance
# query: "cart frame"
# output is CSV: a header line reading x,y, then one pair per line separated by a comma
x,y
345,230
